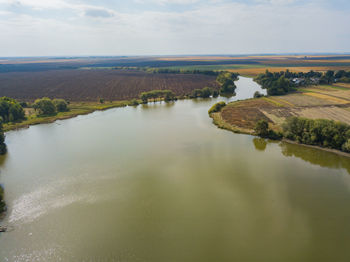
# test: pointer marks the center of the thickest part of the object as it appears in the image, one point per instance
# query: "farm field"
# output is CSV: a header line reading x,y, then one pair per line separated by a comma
x,y
89,85
317,102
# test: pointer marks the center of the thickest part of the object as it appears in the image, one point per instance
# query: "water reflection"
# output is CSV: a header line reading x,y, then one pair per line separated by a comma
x,y
3,159
315,156
260,144
152,105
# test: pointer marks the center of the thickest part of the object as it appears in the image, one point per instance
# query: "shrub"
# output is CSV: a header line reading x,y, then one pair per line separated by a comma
x,y
217,107
257,94
346,146
133,102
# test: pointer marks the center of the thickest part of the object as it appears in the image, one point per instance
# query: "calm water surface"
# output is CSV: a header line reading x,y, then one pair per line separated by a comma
x,y
161,183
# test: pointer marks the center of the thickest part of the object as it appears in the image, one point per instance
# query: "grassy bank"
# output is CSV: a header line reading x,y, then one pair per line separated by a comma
x,y
76,108
316,102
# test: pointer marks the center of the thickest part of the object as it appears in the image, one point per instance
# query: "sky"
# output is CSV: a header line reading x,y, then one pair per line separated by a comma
x,y
172,27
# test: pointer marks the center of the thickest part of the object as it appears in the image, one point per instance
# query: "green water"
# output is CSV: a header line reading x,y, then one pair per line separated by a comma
x,y
161,183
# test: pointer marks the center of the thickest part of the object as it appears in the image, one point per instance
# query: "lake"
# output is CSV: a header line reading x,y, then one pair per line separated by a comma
x,y
160,182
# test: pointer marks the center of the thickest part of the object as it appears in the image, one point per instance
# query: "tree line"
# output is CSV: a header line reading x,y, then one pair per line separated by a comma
x,y
181,71
317,132
46,106
281,83
154,95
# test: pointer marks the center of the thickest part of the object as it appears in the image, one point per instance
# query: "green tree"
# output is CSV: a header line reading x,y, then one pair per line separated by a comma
x,y
11,110
44,106
3,148
2,202
217,107
262,128
61,105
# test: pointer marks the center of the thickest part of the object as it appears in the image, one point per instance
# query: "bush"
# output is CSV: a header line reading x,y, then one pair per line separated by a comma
x,y
133,102
257,94
346,146
217,107
61,105
23,104
44,106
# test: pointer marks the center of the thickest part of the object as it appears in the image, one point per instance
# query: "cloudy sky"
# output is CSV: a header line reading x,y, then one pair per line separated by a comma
x,y
172,27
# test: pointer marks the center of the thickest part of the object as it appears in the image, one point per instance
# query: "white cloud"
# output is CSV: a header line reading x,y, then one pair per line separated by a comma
x,y
208,28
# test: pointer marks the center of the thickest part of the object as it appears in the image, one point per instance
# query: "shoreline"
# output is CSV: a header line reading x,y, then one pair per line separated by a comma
x,y
220,123
77,109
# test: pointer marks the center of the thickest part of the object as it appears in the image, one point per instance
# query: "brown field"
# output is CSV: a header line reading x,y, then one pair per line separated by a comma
x,y
254,71
89,85
314,103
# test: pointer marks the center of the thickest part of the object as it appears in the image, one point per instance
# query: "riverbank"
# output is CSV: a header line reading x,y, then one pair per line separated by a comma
x,y
220,123
76,108
318,102
2,203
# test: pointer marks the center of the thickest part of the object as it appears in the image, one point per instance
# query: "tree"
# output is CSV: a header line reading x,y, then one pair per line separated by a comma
x,y
61,105
11,110
217,107
257,94
2,202
329,76
44,106
262,128
3,148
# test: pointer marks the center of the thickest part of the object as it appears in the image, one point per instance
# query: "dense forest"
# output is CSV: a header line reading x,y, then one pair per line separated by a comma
x,y
281,83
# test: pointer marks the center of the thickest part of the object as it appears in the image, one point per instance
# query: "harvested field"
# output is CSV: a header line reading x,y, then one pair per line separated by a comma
x,y
89,85
255,70
276,109
335,92
302,100
244,114
331,99
343,85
